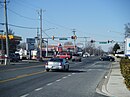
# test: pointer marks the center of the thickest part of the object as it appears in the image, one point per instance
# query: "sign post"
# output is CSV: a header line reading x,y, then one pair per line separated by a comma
x,y
30,45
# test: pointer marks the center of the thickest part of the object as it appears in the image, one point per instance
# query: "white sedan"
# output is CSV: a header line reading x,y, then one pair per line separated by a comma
x,y
86,55
57,64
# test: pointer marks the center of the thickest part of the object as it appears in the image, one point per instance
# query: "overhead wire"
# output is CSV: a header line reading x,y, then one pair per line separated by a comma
x,y
50,37
27,4
58,25
22,3
21,15
32,6
19,26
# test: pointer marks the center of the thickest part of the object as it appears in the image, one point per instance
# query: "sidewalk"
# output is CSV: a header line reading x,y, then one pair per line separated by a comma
x,y
116,86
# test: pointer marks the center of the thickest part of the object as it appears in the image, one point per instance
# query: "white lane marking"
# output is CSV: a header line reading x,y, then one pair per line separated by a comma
x,y
24,95
64,77
49,84
69,75
58,80
73,73
38,89
93,64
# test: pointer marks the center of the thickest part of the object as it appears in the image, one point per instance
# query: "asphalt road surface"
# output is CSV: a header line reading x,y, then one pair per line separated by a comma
x,y
24,79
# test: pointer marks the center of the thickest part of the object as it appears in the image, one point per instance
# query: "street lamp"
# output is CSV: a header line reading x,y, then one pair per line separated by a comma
x,y
47,39
41,40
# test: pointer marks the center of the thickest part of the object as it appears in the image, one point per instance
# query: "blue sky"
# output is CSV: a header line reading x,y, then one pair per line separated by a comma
x,y
100,20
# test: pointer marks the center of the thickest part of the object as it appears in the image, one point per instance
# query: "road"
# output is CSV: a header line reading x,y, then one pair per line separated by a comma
x,y
31,79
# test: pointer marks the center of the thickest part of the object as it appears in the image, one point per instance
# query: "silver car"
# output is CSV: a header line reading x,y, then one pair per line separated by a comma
x,y
57,64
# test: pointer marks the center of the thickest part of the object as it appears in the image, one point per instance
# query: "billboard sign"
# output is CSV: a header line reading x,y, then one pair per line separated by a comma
x,y
127,46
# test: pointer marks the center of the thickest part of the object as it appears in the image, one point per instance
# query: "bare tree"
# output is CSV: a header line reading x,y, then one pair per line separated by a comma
x,y
127,30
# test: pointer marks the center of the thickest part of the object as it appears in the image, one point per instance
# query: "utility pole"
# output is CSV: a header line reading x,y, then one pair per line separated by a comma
x,y
85,43
6,29
74,39
37,38
40,34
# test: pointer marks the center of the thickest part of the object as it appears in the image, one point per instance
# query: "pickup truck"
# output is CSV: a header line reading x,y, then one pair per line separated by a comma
x,y
64,55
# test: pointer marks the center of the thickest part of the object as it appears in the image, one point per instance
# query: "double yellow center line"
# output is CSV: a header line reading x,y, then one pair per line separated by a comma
x,y
21,76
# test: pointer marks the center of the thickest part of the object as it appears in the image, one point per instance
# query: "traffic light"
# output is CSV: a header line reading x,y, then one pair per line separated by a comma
x,y
110,41
53,37
92,41
74,37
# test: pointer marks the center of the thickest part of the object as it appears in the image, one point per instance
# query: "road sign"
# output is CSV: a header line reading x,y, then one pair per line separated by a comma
x,y
103,42
63,39
30,40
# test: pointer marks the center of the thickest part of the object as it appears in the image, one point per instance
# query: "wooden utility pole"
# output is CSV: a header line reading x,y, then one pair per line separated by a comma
x,y
74,39
40,34
6,29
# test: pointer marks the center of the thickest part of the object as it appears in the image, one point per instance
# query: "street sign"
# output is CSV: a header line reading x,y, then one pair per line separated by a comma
x,y
103,42
30,40
63,39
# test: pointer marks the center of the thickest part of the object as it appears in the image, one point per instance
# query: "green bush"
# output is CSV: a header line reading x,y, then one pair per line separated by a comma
x,y
125,70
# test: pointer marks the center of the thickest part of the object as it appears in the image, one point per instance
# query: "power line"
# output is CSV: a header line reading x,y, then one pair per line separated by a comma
x,y
21,15
22,3
50,37
19,26
58,25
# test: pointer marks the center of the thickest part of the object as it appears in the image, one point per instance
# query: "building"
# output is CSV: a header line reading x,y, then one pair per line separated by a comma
x,y
13,42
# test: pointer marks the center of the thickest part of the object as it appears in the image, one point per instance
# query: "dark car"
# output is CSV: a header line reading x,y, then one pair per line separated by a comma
x,y
107,58
76,57
17,55
13,57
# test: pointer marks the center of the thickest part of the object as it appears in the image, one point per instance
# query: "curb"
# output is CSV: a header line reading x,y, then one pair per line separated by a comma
x,y
102,86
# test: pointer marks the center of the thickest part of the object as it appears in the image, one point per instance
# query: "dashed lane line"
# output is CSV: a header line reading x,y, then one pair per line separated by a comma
x,y
64,77
38,89
49,84
25,95
58,80
69,75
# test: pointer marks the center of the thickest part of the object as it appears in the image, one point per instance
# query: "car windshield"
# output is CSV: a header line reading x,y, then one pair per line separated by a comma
x,y
76,55
56,60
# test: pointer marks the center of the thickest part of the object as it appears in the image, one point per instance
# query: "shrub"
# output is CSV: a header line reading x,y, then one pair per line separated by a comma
x,y
125,70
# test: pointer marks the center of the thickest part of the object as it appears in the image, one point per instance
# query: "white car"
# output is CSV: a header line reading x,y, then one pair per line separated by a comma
x,y
86,55
57,64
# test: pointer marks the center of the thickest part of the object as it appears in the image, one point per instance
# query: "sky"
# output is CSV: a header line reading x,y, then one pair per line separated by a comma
x,y
100,20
